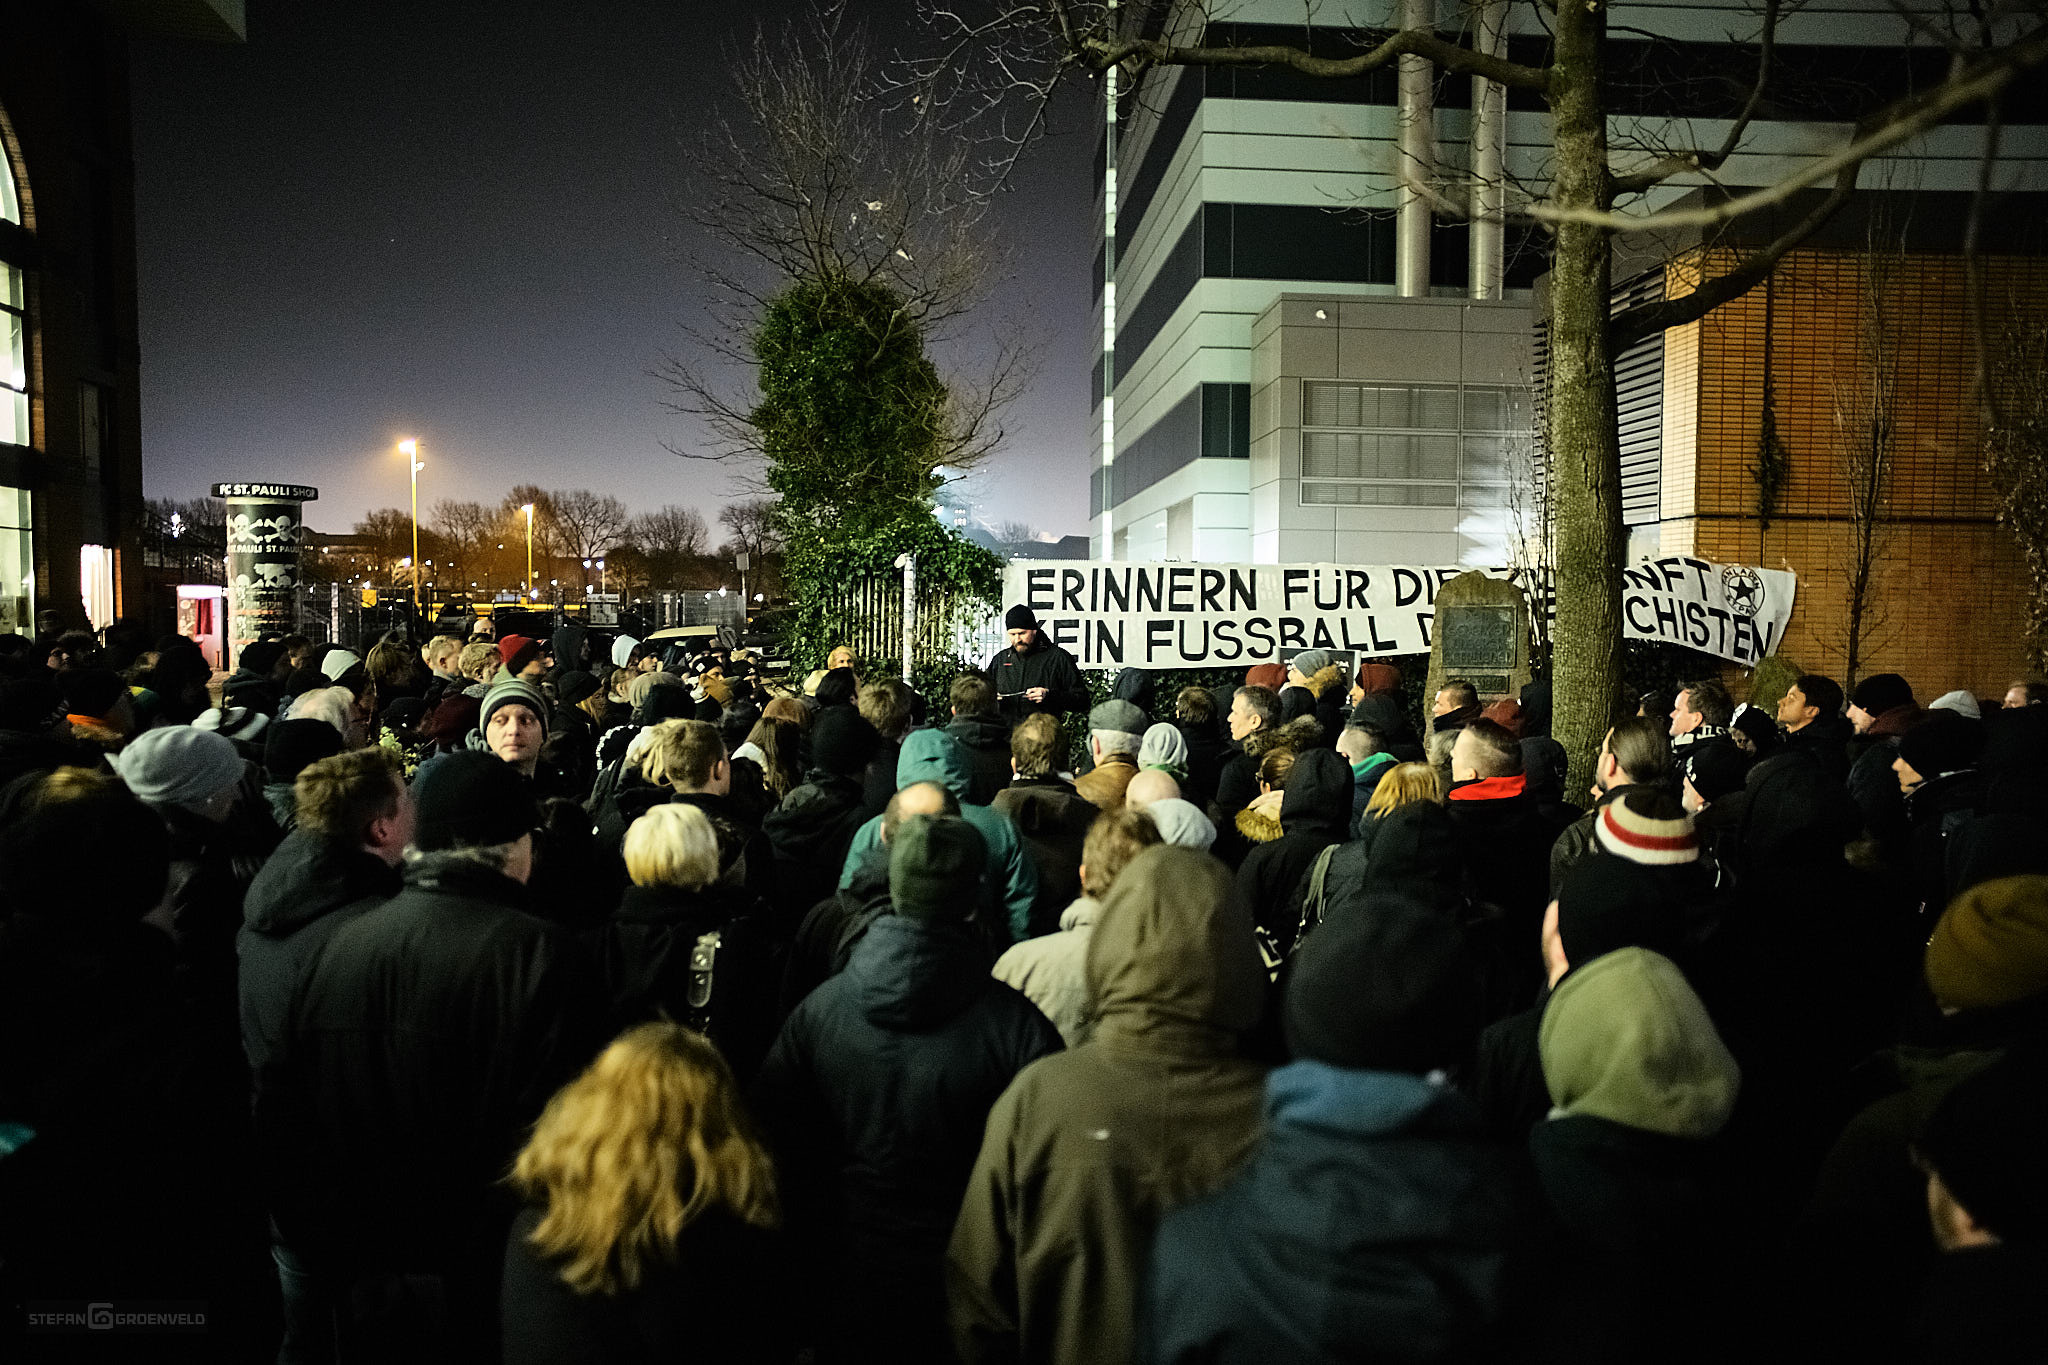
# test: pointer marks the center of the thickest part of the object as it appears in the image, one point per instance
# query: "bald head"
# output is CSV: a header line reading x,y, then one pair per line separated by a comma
x,y
919,798
1151,784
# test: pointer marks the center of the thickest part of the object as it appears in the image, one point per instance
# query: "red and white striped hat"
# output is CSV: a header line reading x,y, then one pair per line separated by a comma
x,y
1647,827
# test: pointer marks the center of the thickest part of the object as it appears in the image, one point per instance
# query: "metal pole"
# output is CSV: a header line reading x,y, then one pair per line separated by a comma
x,y
413,462
908,563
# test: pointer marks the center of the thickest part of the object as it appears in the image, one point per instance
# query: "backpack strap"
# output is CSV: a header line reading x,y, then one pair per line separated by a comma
x,y
703,966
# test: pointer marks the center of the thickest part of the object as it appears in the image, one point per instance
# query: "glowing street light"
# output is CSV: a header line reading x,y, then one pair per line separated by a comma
x,y
530,588
411,450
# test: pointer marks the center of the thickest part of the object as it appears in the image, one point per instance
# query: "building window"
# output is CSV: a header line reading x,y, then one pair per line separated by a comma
x,y
1409,445
13,358
17,563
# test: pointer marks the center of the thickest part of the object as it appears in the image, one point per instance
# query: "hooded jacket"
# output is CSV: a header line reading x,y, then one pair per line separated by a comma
x,y
1043,664
1010,882
1374,1222
567,650
309,888
428,1034
874,1098
1052,819
810,831
1639,1081
1088,1148
1051,970
1315,812
987,741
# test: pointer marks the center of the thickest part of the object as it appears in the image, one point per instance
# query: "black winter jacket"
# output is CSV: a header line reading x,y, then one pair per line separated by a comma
x,y
645,952
809,834
1314,814
826,938
310,887
429,1034
1045,665
987,741
874,1098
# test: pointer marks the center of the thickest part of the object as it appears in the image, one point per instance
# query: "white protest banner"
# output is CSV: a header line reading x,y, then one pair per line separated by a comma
x,y
1116,615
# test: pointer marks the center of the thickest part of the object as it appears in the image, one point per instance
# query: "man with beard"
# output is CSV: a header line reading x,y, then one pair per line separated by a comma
x,y
1034,675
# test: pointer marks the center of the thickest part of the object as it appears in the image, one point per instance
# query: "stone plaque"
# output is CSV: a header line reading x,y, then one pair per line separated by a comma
x,y
1481,634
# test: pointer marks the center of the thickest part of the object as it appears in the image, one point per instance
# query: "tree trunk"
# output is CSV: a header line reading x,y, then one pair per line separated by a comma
x,y
1585,450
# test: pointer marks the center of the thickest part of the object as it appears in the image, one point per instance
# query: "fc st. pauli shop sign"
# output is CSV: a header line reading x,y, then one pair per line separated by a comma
x,y
1120,615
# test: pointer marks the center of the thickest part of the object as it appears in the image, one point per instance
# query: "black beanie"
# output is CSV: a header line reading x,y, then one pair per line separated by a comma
x,y
1718,770
471,800
838,688
842,742
1986,1140
1386,986
1943,743
665,701
574,686
1607,903
260,656
91,691
935,864
290,745
1019,617
305,680
1880,692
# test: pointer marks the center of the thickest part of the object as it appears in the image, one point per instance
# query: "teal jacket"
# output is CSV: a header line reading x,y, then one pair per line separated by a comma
x,y
1011,882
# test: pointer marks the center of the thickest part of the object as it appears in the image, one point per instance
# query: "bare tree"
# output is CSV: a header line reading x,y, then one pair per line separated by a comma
x,y
2016,454
588,524
816,181
1015,532
389,532
1866,409
989,60
547,531
753,528
670,531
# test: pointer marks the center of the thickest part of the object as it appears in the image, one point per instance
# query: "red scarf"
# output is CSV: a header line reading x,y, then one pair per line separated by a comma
x,y
1490,788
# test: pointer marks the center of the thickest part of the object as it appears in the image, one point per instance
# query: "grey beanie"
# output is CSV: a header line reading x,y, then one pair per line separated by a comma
x,y
1182,822
176,765
1165,747
1310,662
505,692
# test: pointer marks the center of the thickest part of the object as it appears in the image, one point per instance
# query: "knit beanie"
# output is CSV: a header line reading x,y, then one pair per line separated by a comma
x,y
290,745
507,692
842,742
1959,701
1388,988
1266,675
574,686
1990,947
244,723
1717,770
1605,904
1985,1141
1646,827
1310,662
516,652
935,864
1880,692
176,765
337,661
471,800
1377,679
1182,823
327,704
91,691
260,656
302,681
1166,748
1943,743
622,650
1019,617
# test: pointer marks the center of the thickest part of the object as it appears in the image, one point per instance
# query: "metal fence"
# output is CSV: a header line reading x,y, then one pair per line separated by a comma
x,y
943,625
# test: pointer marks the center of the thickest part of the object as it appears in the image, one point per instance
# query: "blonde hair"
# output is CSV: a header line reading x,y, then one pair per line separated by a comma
x,y
1404,784
653,760
473,655
646,1141
672,845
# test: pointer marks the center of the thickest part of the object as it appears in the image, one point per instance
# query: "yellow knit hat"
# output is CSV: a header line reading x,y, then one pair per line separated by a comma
x,y
1990,947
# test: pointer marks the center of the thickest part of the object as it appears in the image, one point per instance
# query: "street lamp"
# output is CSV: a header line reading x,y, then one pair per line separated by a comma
x,y
528,509
411,450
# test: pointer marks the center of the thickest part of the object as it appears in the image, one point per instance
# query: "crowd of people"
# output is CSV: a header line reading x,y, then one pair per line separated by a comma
x,y
589,1000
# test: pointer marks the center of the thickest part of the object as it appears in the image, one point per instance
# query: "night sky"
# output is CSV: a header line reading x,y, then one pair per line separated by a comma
x,y
455,221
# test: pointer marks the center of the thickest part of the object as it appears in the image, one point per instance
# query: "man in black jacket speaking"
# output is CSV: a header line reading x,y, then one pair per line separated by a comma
x,y
1034,674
